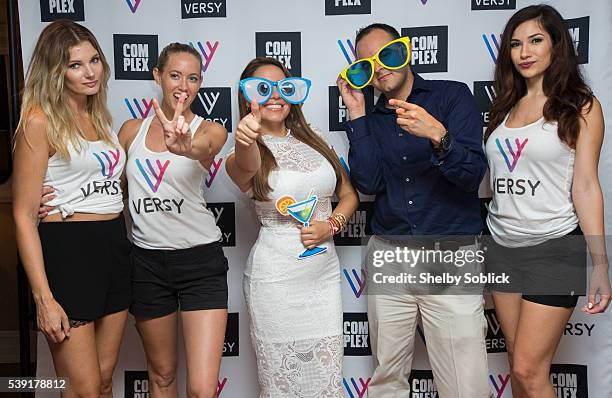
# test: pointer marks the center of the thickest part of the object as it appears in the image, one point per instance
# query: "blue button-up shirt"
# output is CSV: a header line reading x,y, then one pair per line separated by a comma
x,y
419,192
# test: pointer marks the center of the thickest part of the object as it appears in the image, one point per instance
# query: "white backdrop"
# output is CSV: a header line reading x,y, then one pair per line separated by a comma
x,y
451,40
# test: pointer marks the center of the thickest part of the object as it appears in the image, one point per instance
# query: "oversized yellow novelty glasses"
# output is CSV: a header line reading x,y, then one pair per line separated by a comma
x,y
394,55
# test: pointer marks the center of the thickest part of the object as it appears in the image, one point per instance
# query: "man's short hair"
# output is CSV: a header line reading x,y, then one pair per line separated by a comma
x,y
382,26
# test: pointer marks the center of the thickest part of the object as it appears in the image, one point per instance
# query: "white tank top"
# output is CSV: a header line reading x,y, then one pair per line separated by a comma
x,y
166,197
531,179
90,181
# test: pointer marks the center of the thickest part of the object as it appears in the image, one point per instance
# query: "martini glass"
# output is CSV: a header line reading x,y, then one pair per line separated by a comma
x,y
302,211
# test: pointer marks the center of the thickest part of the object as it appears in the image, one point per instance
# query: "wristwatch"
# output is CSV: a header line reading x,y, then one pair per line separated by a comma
x,y
444,145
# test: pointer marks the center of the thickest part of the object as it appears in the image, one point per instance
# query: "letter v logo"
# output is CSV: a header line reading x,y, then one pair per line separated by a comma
x,y
209,100
515,155
157,175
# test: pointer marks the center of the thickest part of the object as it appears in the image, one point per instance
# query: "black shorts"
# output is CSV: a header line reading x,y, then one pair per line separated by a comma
x,y
190,279
88,266
552,273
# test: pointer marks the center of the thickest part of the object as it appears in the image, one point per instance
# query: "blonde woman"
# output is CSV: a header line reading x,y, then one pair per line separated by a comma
x,y
77,258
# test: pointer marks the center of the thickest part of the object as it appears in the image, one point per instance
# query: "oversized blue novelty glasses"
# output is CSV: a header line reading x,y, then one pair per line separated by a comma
x,y
293,90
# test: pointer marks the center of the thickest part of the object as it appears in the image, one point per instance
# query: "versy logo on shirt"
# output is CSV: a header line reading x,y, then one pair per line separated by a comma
x,y
346,7
214,104
203,9
52,10
135,56
338,114
429,46
284,46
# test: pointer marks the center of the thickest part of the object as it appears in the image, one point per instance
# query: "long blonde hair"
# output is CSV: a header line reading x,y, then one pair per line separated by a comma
x,y
44,88
296,122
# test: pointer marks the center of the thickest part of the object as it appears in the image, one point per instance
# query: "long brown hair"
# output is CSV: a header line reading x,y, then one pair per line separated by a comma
x,y
44,88
567,93
300,129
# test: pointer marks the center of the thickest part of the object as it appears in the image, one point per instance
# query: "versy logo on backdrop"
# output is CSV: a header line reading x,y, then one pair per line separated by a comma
x,y
225,218
284,46
338,114
346,7
358,227
356,334
492,45
214,104
203,9
579,329
579,31
207,53
499,383
484,94
143,109
231,345
133,5
52,10
495,340
429,46
422,384
569,380
356,387
135,56
355,279
493,4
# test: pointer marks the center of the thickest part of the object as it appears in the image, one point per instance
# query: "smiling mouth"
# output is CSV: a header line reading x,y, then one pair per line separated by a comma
x,y
178,96
274,107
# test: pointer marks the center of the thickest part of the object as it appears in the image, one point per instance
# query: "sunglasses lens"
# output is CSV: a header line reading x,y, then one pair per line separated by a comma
x,y
394,55
293,90
359,74
257,90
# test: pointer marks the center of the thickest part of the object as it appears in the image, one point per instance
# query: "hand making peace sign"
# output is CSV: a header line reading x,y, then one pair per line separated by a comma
x,y
177,132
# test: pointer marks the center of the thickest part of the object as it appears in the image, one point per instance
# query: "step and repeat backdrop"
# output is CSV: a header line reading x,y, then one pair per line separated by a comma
x,y
456,39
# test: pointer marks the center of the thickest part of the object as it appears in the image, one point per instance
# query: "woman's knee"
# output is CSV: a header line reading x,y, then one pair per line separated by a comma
x,y
201,389
162,376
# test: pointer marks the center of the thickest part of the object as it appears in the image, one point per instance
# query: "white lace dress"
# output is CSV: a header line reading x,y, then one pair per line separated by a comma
x,y
295,305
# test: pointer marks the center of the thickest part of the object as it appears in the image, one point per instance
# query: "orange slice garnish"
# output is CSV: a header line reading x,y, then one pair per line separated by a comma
x,y
283,202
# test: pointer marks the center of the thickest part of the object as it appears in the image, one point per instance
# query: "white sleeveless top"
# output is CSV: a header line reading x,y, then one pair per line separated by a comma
x,y
531,179
166,197
90,181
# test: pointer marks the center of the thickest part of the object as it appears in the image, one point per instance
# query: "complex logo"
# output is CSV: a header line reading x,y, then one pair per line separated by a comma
x,y
135,56
422,384
136,384
499,382
107,164
358,226
579,31
356,334
338,113
356,387
348,51
52,10
231,345
569,380
356,280
153,176
429,45
346,7
133,4
214,168
492,45
493,5
207,53
225,217
284,46
495,340
143,111
203,9
484,94
214,104
515,154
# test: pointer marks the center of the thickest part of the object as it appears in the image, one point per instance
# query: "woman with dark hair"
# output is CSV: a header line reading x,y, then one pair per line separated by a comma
x,y
294,302
77,258
543,143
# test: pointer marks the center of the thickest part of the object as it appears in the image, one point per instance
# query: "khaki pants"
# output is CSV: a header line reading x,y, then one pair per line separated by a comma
x,y
455,330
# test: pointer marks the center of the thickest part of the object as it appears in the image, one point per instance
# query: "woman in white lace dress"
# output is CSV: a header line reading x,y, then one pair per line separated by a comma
x,y
295,304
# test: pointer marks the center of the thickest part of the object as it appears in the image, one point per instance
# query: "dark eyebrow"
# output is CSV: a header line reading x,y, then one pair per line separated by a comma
x,y
531,36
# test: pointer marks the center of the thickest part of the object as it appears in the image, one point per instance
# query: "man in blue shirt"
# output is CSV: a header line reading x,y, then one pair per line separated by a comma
x,y
420,153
